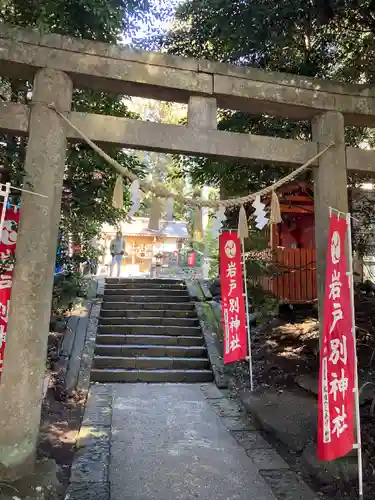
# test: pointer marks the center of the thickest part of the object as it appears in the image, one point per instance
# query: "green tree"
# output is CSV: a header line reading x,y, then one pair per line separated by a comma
x,y
162,168
325,39
293,37
322,38
89,181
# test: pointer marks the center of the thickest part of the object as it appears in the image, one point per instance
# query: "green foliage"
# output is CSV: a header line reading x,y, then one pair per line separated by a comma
x,y
320,38
88,190
257,267
67,288
325,39
261,301
161,168
89,180
279,36
90,19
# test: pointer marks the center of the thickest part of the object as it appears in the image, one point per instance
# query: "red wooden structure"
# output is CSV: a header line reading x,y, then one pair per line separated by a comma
x,y
293,247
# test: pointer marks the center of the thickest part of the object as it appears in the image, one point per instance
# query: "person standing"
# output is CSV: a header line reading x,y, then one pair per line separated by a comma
x,y
117,250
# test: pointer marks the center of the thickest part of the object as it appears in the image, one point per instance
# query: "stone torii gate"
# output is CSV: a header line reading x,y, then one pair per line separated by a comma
x,y
57,64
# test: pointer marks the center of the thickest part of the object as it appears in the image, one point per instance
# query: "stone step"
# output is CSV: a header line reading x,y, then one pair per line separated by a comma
x,y
147,313
144,292
146,298
149,332
148,306
158,351
151,363
190,331
150,286
145,281
168,340
155,376
152,321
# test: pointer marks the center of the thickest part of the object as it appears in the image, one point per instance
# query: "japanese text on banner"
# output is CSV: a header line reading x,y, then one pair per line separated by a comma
x,y
7,249
233,304
337,362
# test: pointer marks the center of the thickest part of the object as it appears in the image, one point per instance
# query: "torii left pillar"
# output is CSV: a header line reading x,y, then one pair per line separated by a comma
x,y
30,308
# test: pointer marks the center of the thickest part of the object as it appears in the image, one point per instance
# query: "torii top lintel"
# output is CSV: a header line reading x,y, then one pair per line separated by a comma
x,y
124,70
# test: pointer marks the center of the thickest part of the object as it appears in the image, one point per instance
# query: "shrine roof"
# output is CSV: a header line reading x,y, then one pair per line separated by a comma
x,y
139,227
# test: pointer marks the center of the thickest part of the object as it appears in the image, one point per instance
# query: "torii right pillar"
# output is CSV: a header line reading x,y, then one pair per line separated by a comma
x,y
330,187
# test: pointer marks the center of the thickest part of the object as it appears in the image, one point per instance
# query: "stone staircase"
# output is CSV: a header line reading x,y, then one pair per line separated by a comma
x,y
149,332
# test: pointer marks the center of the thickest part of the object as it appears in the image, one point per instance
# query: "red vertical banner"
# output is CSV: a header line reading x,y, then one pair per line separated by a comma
x,y
337,362
232,297
7,249
191,259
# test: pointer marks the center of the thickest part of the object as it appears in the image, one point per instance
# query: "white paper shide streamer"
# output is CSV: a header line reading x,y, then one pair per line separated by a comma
x,y
136,197
260,214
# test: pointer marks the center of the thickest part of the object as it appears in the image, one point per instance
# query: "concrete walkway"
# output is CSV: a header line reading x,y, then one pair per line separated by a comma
x,y
175,442
168,443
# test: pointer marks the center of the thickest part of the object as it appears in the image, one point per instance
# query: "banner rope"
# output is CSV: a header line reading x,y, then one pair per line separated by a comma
x,y
162,192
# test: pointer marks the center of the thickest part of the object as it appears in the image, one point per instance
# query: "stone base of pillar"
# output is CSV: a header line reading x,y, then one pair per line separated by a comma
x,y
36,484
20,467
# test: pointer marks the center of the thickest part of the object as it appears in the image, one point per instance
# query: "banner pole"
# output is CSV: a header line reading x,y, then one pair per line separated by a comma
x,y
5,194
356,390
247,314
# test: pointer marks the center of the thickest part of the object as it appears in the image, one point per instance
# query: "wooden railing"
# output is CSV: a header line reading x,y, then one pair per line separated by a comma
x,y
294,281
